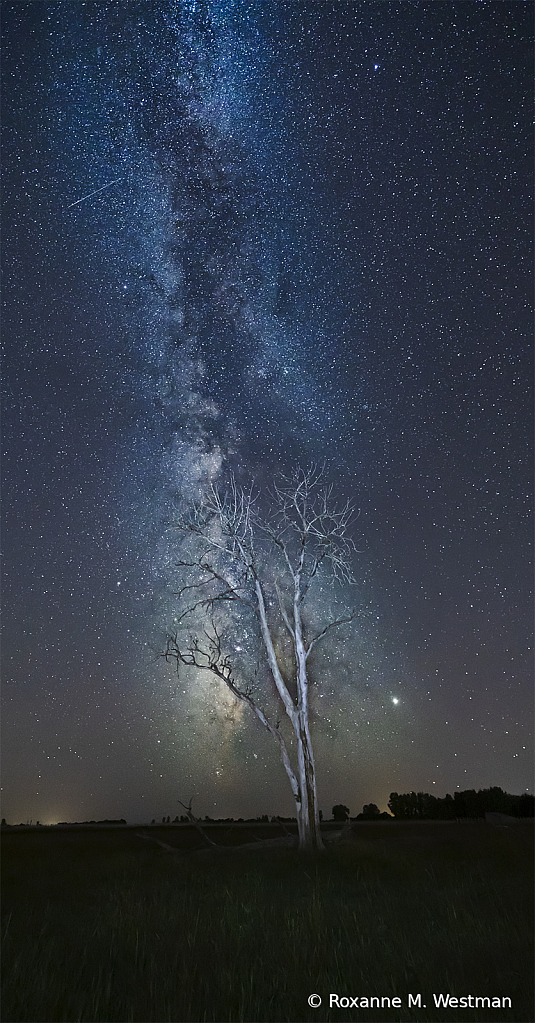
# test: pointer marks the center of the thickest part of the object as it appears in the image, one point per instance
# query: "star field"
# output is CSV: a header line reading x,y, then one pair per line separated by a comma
x,y
240,236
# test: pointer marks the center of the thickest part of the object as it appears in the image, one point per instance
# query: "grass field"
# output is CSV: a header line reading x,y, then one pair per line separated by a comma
x,y
101,926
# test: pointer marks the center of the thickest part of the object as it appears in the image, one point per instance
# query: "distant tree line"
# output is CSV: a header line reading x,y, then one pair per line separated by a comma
x,y
371,812
264,819
408,806
423,806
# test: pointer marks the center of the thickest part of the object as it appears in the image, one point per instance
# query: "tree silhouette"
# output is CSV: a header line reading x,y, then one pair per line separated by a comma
x,y
340,812
267,565
423,806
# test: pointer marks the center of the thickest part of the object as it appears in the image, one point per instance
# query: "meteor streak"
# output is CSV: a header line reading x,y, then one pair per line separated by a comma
x,y
91,194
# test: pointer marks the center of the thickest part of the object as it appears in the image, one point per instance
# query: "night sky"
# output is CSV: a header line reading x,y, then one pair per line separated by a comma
x,y
237,237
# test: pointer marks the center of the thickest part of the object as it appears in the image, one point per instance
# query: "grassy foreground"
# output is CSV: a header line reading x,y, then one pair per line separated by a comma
x,y
100,926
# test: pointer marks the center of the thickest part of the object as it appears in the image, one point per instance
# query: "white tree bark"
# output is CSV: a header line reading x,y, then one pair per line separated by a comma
x,y
305,531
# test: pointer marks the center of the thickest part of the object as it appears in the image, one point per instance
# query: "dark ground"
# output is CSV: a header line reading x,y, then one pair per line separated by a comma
x,y
102,925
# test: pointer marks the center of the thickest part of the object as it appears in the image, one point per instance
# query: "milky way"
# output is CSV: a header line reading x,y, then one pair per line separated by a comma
x,y
238,237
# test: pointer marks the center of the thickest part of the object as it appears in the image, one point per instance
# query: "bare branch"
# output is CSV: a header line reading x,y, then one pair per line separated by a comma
x,y
150,838
306,511
275,536
233,591
215,661
193,820
333,625
282,610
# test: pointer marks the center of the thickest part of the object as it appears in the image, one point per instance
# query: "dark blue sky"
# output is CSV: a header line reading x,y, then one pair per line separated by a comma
x,y
312,243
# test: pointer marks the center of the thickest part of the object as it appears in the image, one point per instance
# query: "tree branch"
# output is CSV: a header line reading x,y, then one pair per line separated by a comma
x,y
283,611
333,625
219,664
195,822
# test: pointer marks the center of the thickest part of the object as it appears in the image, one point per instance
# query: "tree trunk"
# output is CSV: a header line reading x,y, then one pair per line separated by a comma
x,y
307,812
311,835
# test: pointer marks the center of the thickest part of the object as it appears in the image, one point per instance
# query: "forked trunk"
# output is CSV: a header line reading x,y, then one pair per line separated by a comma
x,y
309,834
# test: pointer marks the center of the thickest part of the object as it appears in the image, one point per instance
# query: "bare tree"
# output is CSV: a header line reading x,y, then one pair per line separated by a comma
x,y
230,565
